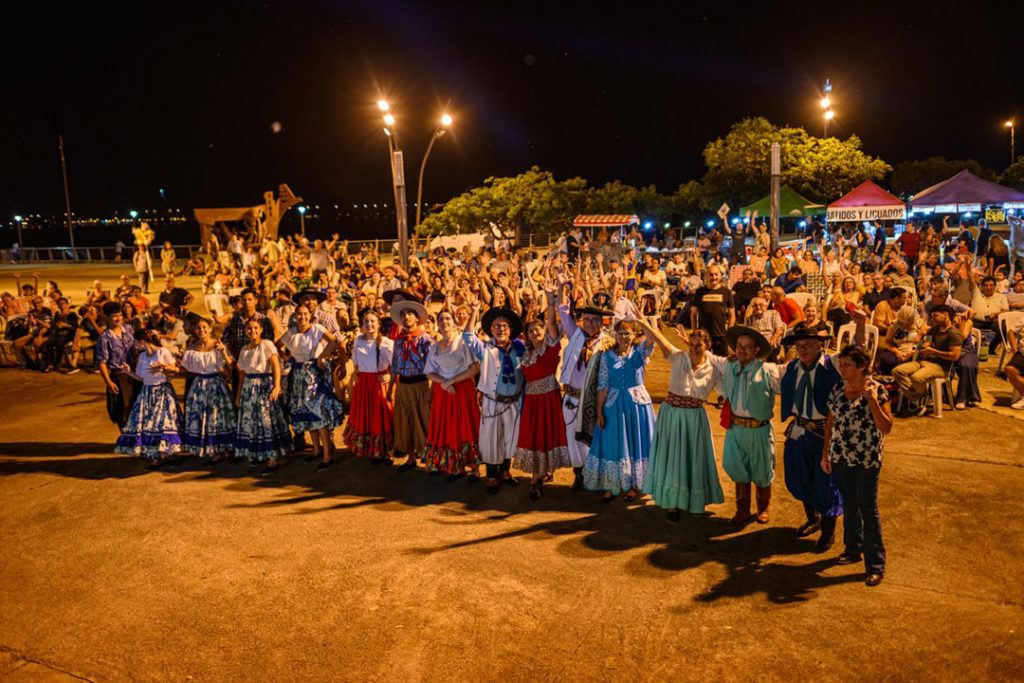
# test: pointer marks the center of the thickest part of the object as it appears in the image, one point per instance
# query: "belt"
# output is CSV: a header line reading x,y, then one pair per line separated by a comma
x,y
411,379
259,375
542,386
677,401
504,399
748,422
813,425
207,375
372,374
570,391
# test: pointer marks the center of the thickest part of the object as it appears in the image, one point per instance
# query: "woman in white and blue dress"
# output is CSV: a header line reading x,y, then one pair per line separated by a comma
x,y
621,446
262,434
312,405
210,419
153,430
683,474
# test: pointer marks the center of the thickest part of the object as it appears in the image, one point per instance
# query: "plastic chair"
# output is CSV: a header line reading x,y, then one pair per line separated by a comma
x,y
801,298
848,332
1004,323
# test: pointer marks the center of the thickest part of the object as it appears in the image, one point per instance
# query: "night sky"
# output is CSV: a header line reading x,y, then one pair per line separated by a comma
x,y
183,97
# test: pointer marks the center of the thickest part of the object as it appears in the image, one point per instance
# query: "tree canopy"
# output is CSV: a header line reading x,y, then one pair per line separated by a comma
x,y
1014,176
913,176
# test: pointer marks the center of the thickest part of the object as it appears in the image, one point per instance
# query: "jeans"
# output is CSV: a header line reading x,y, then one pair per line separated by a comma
x,y
862,527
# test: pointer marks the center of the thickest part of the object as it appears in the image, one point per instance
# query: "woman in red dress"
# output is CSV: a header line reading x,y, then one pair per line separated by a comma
x,y
541,448
454,430
370,428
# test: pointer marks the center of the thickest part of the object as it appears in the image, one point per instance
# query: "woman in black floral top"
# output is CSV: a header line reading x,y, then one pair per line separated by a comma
x,y
859,417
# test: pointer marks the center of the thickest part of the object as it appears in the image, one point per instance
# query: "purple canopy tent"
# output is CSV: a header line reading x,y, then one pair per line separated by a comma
x,y
965,192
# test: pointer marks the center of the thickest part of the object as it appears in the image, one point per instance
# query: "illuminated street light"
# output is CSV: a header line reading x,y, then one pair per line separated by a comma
x,y
134,214
826,102
826,105
302,219
18,219
1013,143
829,115
446,120
389,119
383,105
442,128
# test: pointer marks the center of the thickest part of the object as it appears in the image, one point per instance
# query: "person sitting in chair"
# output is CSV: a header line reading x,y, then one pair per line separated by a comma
x,y
936,356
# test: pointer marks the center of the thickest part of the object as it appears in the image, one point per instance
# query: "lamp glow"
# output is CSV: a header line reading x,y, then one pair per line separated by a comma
x,y
446,120
389,119
826,102
829,115
383,105
302,210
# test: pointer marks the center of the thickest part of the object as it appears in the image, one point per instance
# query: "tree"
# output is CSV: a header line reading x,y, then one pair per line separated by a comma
x,y
1014,176
739,165
910,177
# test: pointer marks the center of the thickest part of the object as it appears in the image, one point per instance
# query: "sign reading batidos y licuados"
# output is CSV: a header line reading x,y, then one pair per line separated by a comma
x,y
867,213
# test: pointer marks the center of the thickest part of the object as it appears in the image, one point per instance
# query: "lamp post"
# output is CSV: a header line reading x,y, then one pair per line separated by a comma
x,y
302,219
442,127
397,159
18,219
1013,142
826,105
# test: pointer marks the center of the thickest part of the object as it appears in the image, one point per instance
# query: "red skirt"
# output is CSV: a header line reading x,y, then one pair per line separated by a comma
x,y
454,428
541,424
370,430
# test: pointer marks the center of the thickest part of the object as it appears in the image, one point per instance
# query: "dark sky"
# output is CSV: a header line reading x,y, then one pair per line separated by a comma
x,y
182,97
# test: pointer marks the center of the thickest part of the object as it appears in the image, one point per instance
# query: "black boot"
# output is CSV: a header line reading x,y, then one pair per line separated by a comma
x,y
577,481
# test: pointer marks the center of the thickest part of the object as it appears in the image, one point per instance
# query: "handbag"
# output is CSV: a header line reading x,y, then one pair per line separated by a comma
x,y
726,418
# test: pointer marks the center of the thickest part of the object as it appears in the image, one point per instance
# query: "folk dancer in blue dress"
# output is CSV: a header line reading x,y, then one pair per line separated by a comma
x,y
805,387
210,418
683,473
621,445
586,338
750,385
153,430
312,405
262,434
115,353
501,383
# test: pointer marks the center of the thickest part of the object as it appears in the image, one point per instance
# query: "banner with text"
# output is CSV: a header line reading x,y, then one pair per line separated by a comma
x,y
866,213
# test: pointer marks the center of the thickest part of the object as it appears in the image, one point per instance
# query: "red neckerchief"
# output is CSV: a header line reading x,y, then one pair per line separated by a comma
x,y
409,339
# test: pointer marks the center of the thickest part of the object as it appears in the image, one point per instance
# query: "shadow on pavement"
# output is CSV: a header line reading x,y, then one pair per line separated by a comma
x,y
603,528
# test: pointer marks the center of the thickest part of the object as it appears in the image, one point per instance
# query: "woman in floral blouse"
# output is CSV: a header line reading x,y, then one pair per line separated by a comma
x,y
859,417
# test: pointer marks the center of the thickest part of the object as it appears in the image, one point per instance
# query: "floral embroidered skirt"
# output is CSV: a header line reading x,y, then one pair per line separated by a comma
x,y
262,432
454,432
312,404
210,419
154,425
370,429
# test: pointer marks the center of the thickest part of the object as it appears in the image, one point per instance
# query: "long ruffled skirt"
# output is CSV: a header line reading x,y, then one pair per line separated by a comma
x,y
454,431
682,471
542,446
620,450
210,418
262,430
312,404
154,426
370,429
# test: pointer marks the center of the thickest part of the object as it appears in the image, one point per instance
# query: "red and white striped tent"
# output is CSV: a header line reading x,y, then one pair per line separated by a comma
x,y
605,221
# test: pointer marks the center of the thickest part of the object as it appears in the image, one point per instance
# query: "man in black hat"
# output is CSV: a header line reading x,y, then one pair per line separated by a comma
x,y
409,388
501,383
935,358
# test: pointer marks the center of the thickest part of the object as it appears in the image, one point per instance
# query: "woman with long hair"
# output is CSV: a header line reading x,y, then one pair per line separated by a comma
x,y
621,444
370,428
210,418
262,434
153,429
683,474
453,434
542,447
312,404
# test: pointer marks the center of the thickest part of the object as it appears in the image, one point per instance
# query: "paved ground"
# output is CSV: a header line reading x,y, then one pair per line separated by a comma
x,y
109,572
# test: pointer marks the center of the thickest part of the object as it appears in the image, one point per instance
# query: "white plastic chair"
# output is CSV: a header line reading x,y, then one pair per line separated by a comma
x,y
1004,324
848,332
801,298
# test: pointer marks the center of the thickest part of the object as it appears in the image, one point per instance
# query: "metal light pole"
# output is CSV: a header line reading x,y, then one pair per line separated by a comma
x,y
776,188
67,195
826,105
1013,143
442,128
302,220
397,160
18,219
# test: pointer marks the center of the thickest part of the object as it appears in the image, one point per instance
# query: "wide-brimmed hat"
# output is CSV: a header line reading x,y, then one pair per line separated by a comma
x,y
401,306
389,296
737,331
514,321
595,310
802,332
603,295
308,291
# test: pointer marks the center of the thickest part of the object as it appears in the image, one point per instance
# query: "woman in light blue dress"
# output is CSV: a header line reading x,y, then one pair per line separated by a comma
x,y
621,445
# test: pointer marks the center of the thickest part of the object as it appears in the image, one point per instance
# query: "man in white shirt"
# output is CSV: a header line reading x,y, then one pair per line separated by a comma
x,y
987,304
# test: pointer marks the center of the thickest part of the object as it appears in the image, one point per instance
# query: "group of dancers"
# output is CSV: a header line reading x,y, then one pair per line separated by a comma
x,y
505,393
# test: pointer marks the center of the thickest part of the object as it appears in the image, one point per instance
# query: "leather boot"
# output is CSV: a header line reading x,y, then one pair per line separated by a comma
x,y
742,504
764,496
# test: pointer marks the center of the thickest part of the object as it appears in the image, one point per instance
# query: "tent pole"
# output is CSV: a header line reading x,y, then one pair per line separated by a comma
x,y
776,181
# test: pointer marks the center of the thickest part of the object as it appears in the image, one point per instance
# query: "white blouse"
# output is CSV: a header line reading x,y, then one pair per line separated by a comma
x,y
304,346
450,362
202,362
685,380
162,356
366,358
256,361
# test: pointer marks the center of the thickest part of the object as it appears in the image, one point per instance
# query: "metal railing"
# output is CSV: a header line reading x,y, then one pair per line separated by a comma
x,y
66,254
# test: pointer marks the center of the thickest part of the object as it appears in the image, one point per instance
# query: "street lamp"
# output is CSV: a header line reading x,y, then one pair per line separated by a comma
x,y
442,127
134,214
826,105
1013,143
397,161
18,219
302,219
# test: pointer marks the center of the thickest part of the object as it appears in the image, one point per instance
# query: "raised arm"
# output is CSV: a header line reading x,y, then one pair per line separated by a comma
x,y
655,335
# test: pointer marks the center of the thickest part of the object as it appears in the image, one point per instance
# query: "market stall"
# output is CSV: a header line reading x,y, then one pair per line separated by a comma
x,y
967,193
866,202
791,205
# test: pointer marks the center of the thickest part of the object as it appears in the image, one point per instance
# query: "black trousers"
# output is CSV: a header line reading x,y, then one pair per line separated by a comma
x,y
119,405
